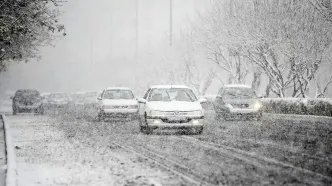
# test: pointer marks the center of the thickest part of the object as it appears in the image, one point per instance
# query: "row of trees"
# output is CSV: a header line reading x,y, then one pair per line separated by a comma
x,y
285,41
25,26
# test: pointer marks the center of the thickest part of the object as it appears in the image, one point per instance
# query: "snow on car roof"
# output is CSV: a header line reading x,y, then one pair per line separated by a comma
x,y
169,86
238,85
121,88
57,93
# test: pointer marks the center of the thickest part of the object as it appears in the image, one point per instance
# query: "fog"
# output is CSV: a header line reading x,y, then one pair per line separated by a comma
x,y
100,47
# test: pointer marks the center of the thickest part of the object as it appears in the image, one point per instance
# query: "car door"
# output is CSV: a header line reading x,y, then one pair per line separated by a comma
x,y
142,106
219,103
100,101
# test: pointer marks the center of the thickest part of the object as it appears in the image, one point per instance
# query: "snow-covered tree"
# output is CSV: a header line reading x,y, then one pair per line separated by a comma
x,y
26,25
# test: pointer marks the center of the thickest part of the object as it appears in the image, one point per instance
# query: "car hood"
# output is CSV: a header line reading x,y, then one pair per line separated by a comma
x,y
119,102
60,100
174,106
241,101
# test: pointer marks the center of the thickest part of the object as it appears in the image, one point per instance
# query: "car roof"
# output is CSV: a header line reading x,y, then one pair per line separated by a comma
x,y
115,88
169,86
57,93
237,86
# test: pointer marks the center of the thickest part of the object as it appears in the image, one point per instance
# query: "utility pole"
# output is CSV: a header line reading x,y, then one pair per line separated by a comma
x,y
91,50
137,45
170,22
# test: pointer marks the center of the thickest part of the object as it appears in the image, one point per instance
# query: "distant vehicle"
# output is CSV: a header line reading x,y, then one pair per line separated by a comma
x,y
59,100
27,100
117,103
170,107
45,99
237,101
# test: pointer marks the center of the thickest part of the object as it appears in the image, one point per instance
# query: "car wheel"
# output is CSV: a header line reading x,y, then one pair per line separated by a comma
x,y
14,111
143,126
199,130
100,117
219,117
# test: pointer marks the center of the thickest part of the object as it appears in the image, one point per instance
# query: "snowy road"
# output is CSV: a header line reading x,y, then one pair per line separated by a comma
x,y
54,150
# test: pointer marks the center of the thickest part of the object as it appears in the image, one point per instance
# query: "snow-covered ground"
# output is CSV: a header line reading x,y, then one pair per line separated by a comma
x,y
57,149
46,157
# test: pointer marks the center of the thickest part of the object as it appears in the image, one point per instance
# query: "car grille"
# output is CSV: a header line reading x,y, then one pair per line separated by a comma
x,y
119,106
26,102
176,113
176,121
240,105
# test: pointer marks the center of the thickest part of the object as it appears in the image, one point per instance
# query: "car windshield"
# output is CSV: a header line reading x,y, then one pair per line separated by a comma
x,y
172,94
118,94
239,92
31,94
58,96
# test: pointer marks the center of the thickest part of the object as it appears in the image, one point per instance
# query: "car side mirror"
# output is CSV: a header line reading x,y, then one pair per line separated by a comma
x,y
220,99
99,98
261,96
202,100
141,100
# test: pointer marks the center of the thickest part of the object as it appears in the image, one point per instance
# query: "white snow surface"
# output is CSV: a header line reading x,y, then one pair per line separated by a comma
x,y
117,88
169,86
46,156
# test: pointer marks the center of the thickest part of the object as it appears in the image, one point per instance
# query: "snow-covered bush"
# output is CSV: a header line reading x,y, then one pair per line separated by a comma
x,y
302,106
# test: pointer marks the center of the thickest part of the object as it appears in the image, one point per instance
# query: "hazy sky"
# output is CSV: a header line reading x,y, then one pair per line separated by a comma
x,y
99,49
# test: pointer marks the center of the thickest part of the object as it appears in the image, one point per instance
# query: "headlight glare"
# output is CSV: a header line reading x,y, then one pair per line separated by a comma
x,y
257,105
156,113
196,113
228,105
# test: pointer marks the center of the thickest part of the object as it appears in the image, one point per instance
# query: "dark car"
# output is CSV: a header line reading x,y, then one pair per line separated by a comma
x,y
27,100
237,102
59,100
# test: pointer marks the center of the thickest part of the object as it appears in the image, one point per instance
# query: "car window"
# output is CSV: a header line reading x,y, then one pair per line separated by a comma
x,y
239,92
172,94
58,96
27,93
118,94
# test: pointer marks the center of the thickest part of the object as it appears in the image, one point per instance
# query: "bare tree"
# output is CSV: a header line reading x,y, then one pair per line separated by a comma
x,y
285,39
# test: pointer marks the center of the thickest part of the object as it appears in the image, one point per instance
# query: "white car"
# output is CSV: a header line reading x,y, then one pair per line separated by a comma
x,y
117,103
170,107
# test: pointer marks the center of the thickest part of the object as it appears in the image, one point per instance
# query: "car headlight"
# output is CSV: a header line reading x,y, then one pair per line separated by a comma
x,y
156,113
133,106
195,113
257,106
228,105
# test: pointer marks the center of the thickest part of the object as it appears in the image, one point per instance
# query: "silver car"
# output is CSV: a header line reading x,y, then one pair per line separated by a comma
x,y
237,102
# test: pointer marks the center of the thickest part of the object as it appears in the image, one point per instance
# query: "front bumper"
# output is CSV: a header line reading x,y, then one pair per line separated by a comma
x,y
240,113
56,105
243,111
29,107
119,113
175,123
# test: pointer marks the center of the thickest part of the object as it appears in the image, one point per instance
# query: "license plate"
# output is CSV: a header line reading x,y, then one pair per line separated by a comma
x,y
176,119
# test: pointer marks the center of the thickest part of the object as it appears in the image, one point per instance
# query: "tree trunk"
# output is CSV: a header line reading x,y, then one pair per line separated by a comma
x,y
256,82
268,88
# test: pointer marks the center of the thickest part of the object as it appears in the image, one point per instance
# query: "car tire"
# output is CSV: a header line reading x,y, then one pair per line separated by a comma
x,y
100,117
143,126
218,117
14,111
199,130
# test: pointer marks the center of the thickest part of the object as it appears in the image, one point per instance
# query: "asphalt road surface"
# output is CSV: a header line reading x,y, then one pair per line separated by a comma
x,y
57,149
